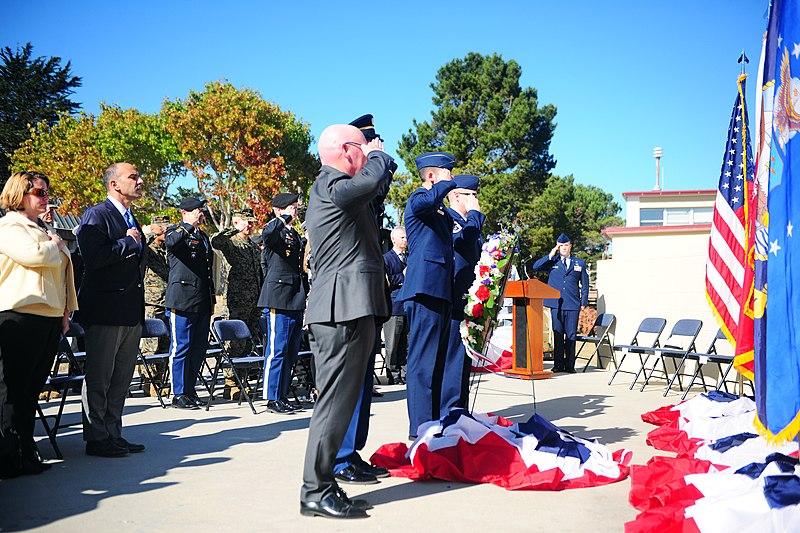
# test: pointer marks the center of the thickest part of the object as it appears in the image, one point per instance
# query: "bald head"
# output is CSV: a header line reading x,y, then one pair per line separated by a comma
x,y
335,151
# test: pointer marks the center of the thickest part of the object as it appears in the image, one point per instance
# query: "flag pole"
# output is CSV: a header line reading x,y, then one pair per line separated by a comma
x,y
743,60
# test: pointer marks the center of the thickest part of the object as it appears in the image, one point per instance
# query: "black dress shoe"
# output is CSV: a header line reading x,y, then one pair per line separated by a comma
x,y
293,406
278,407
376,393
132,448
353,474
570,371
105,448
331,506
196,399
356,503
556,370
377,471
181,401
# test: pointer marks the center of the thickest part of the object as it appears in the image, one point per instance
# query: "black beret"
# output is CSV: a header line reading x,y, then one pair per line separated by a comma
x,y
284,199
190,203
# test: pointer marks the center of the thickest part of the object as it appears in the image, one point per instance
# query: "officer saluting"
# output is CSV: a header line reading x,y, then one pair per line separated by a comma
x,y
189,299
428,289
467,224
283,298
569,275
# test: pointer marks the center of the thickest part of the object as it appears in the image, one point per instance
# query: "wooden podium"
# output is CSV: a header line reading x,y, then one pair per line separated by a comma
x,y
528,336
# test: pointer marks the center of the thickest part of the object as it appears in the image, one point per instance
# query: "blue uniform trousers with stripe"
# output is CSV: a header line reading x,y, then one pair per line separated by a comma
x,y
284,333
429,333
189,332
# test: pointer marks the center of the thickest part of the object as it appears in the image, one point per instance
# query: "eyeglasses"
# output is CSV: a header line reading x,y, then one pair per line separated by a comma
x,y
41,193
469,194
351,143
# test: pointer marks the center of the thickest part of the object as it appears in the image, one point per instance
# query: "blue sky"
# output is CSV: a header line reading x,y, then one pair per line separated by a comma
x,y
625,76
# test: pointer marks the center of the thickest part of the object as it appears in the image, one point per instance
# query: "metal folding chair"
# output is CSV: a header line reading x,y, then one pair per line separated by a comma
x,y
62,384
599,336
650,327
235,330
679,344
155,328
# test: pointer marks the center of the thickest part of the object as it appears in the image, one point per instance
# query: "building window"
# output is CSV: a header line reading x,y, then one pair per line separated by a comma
x,y
675,216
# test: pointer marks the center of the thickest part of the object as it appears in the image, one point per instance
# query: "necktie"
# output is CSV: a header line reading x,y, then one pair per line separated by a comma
x,y
564,260
402,257
129,221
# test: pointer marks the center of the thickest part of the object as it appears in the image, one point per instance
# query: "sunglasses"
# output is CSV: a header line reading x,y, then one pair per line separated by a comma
x,y
41,193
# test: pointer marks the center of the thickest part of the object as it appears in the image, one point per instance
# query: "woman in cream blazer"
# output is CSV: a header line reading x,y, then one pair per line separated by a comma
x,y
37,294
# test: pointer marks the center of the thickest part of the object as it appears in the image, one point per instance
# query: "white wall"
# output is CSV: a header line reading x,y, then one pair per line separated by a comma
x,y
660,274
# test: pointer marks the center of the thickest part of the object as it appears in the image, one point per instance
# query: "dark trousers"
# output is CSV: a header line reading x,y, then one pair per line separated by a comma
x,y
395,332
110,360
455,382
189,334
355,438
565,328
284,333
429,333
341,351
28,345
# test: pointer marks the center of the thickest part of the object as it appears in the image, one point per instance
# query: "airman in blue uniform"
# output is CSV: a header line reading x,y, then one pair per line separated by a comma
x,y
428,289
569,275
467,224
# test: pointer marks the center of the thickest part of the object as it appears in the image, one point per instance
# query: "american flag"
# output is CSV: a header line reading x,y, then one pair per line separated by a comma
x,y
726,287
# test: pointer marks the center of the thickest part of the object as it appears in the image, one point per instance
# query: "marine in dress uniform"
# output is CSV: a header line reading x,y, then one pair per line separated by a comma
x,y
283,298
467,224
350,467
569,275
190,299
428,289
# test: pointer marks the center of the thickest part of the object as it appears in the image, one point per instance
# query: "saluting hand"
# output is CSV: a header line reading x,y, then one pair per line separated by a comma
x,y
554,251
471,203
374,144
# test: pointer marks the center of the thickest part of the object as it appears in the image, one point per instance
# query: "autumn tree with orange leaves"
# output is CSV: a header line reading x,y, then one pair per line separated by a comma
x,y
75,151
241,148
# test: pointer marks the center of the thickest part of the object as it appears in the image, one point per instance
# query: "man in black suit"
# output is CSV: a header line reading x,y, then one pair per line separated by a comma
x,y
189,299
395,330
111,301
346,297
283,298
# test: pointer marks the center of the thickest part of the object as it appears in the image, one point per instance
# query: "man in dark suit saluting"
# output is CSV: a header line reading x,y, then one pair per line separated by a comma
x,y
111,301
346,296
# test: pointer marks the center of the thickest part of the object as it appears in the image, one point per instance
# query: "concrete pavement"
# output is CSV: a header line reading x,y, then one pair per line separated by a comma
x,y
228,469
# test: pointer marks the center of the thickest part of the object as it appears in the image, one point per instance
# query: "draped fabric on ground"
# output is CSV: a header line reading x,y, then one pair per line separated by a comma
x,y
724,478
498,355
477,448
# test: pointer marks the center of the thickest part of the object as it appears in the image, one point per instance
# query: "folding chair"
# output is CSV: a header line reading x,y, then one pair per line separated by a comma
x,y
713,356
61,384
649,326
683,336
155,328
599,336
234,330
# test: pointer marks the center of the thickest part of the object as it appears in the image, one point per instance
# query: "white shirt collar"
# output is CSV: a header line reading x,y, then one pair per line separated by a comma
x,y
121,208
